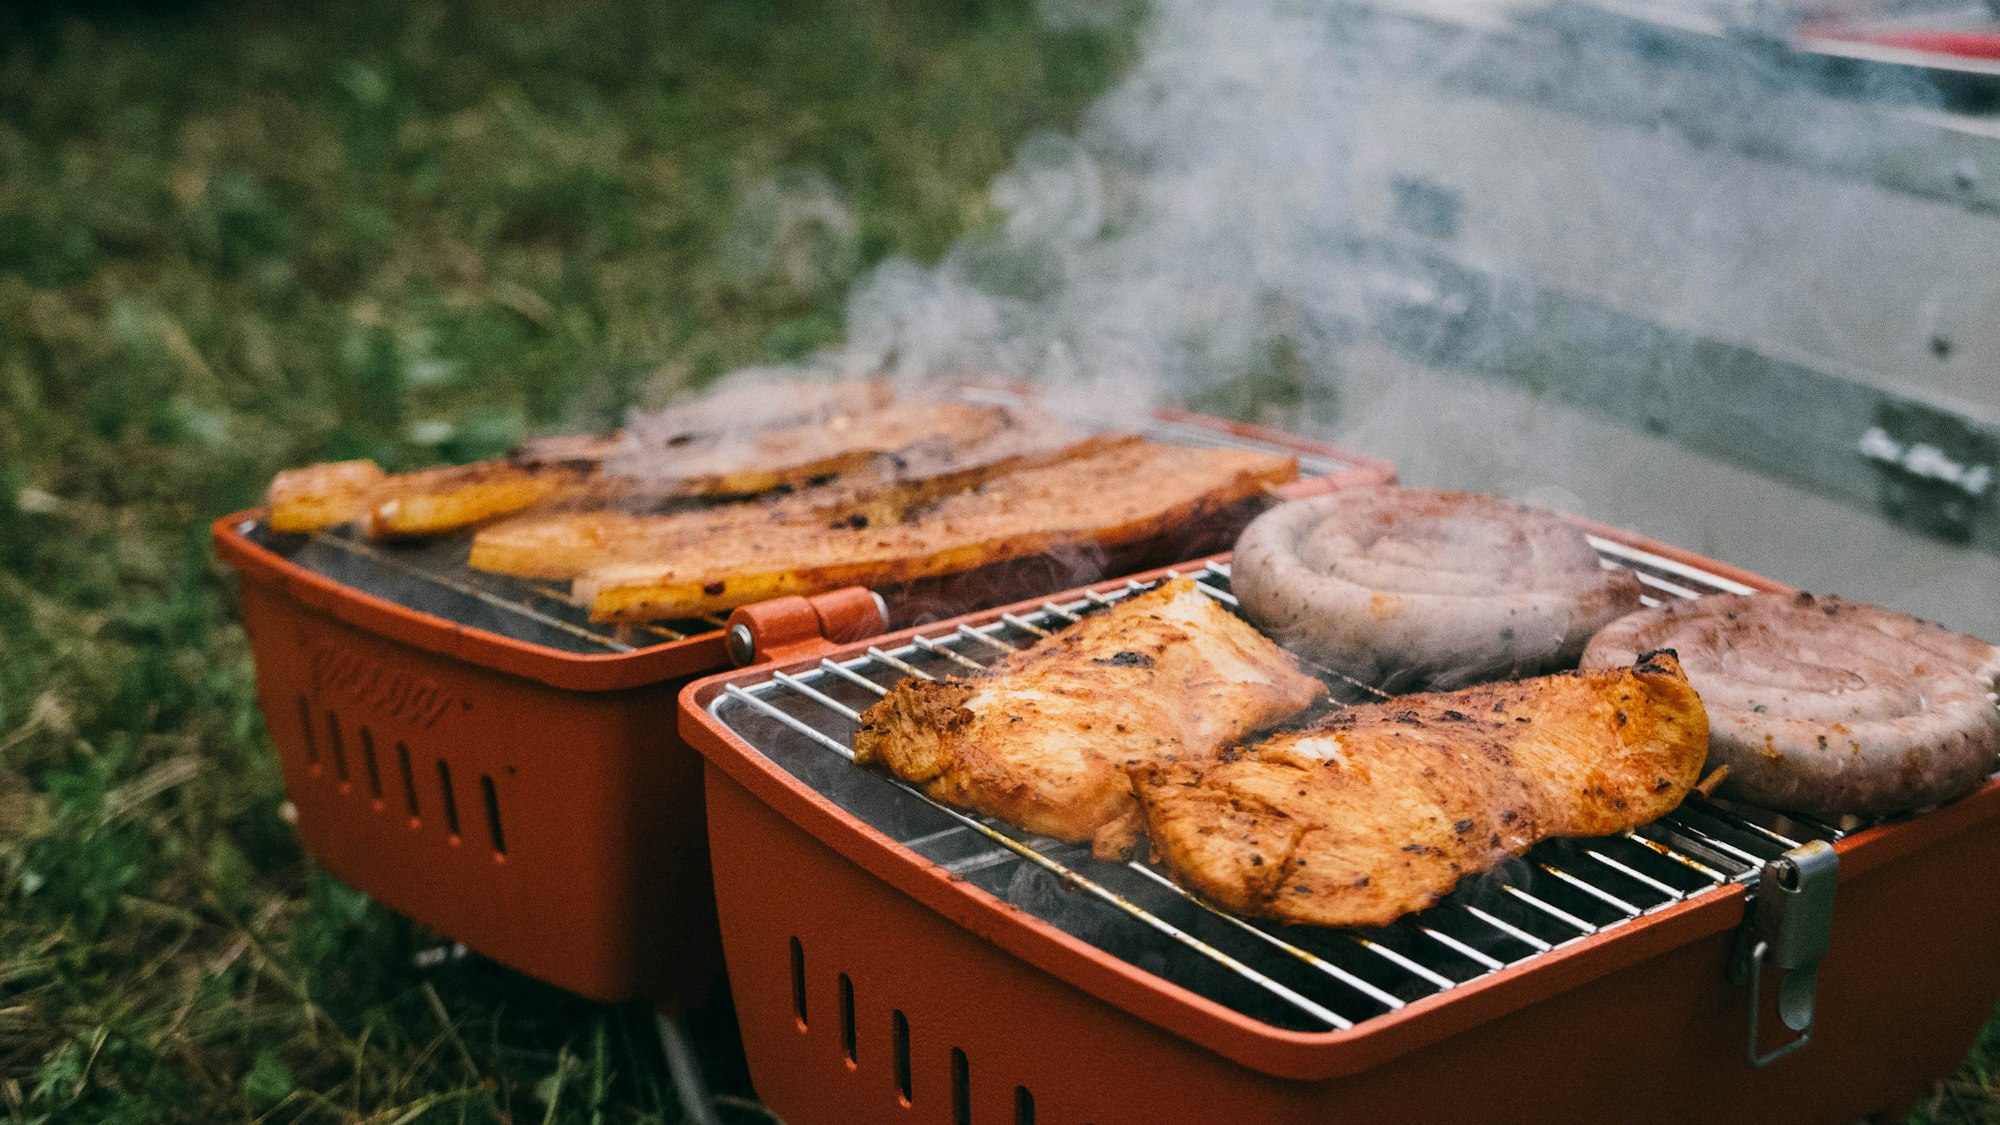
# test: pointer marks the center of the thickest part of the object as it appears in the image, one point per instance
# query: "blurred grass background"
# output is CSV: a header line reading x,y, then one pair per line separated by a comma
x,y
236,237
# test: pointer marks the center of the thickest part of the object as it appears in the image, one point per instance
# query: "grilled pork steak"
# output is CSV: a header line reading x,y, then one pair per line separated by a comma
x,y
790,435
435,501
1127,494
328,494
1044,743
1824,706
1410,587
1378,810
565,544
738,409
750,461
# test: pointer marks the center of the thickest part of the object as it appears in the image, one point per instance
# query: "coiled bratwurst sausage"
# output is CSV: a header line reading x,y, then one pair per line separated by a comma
x,y
1406,588
1824,706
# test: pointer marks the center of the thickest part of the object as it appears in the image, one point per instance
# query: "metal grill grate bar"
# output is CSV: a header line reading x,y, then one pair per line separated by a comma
x,y
1081,882
1275,942
385,560
1645,563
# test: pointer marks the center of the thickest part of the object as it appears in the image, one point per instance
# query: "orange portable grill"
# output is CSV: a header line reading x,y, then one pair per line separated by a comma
x,y
472,752
896,960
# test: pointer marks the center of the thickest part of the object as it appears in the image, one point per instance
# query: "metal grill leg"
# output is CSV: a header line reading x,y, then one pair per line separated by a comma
x,y
685,1068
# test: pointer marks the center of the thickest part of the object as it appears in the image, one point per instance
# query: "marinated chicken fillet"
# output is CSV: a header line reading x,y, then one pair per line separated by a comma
x,y
1379,810
1044,743
1407,587
565,544
1828,707
1128,494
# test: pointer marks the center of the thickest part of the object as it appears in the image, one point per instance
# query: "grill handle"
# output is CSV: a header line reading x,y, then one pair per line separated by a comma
x,y
792,627
1789,926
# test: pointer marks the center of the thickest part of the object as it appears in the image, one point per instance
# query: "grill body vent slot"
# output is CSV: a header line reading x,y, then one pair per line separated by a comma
x,y
450,798
847,1043
339,748
311,740
370,765
409,780
799,983
899,1047
961,1088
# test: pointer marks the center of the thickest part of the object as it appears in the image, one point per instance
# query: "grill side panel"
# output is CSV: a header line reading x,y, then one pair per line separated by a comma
x,y
1909,982
506,814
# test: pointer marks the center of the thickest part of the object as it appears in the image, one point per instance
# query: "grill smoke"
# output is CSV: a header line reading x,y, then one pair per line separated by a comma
x,y
1229,224
1367,223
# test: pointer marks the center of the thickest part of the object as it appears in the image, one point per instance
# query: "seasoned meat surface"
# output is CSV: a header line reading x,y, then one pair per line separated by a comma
x,y
1378,810
324,495
740,442
742,407
1827,707
572,451
1409,587
436,501
1126,494
566,543
747,462
1045,741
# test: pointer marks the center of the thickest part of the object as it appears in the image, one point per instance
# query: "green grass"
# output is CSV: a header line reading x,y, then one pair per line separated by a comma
x,y
237,237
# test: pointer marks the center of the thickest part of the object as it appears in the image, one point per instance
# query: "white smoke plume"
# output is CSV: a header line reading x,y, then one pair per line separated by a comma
x,y
1212,235
1165,248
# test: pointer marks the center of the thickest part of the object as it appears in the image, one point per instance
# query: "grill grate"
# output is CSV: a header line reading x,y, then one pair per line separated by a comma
x,y
1302,978
431,576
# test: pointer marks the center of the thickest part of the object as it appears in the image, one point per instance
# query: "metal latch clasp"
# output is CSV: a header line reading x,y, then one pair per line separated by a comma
x,y
1789,927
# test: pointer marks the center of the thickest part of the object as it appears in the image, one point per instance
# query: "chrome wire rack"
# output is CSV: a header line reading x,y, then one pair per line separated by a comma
x,y
1304,978
432,577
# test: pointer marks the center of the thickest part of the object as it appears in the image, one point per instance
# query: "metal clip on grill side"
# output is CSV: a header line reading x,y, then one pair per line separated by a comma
x,y
1789,926
796,626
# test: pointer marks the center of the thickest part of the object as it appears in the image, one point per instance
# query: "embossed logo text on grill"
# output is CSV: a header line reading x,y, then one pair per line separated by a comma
x,y
365,678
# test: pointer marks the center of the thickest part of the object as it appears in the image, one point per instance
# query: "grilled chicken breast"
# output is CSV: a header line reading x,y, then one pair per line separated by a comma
x,y
1381,809
1124,495
1044,743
